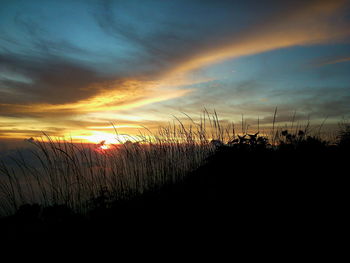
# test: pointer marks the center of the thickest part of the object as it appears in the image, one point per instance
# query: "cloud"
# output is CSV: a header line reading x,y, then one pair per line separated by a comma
x,y
255,98
164,42
332,61
53,80
127,94
165,47
306,24
166,35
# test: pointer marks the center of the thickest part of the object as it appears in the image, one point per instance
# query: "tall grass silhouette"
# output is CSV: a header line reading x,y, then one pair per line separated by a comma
x,y
79,175
82,177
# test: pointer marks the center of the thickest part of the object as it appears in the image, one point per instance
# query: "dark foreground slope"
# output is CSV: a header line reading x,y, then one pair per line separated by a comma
x,y
244,193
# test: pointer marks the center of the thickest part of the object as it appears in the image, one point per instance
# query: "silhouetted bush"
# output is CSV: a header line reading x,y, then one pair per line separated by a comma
x,y
300,141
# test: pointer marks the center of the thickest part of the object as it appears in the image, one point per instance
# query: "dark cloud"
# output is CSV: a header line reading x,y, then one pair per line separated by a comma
x,y
168,33
53,80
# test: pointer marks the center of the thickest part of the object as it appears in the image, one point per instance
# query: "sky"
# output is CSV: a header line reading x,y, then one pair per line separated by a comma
x,y
70,68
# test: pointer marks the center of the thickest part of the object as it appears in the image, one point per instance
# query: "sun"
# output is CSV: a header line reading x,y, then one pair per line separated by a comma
x,y
102,140
106,138
104,147
97,137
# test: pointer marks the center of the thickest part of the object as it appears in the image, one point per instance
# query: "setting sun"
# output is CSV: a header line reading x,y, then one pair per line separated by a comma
x,y
98,137
104,147
103,138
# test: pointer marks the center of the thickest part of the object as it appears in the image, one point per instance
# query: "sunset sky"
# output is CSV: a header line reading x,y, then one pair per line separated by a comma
x,y
70,68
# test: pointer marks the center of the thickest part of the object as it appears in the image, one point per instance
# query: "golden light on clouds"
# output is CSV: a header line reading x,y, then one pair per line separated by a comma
x,y
132,94
305,26
115,99
87,119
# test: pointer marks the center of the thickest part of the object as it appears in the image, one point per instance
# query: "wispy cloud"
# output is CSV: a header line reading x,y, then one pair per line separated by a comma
x,y
306,24
332,61
146,55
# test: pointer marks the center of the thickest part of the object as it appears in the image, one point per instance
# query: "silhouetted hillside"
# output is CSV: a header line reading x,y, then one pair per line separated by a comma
x,y
245,188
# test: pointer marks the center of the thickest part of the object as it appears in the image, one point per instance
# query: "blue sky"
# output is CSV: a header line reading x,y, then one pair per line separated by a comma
x,y
67,66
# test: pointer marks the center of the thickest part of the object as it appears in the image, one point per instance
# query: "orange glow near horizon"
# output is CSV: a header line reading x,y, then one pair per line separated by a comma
x,y
103,138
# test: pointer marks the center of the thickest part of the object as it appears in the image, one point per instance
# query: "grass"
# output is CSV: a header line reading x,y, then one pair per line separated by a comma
x,y
83,177
76,175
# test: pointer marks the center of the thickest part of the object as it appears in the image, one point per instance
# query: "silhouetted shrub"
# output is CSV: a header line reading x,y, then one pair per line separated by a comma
x,y
300,141
250,142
